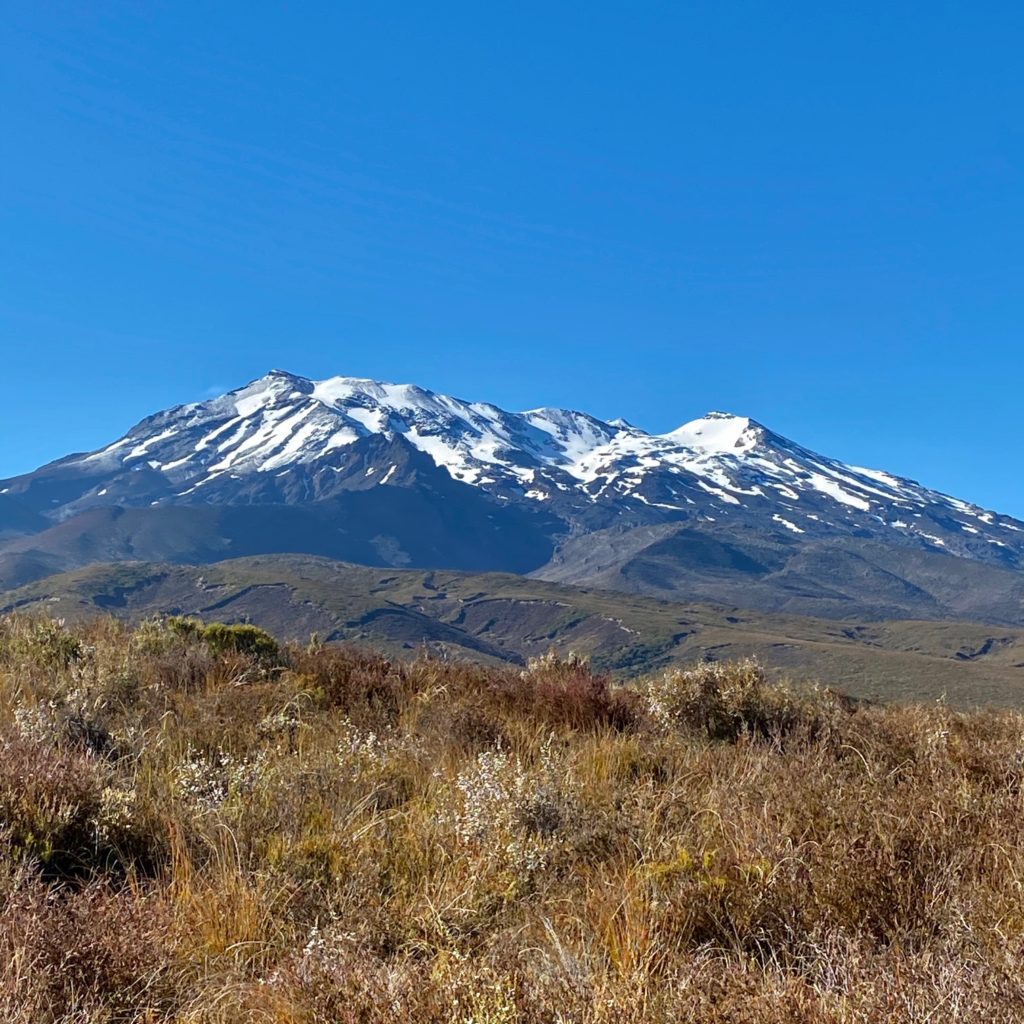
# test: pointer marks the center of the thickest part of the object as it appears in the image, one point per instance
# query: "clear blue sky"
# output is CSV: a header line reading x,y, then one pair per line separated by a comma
x,y
810,213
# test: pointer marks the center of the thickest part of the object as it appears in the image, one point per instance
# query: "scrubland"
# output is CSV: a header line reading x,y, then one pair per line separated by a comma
x,y
202,826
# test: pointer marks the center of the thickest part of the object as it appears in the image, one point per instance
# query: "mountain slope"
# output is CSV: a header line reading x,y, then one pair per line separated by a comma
x,y
494,617
841,577
16,519
452,525
721,508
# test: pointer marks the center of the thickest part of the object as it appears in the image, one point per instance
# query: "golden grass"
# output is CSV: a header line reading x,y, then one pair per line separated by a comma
x,y
195,833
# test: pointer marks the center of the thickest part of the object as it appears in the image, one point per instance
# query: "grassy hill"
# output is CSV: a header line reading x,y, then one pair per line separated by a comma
x,y
496,618
202,827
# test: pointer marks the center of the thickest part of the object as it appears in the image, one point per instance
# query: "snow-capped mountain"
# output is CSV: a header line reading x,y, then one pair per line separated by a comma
x,y
281,422
285,438
398,475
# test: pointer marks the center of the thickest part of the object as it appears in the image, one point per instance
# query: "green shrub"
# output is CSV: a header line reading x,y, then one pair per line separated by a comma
x,y
186,628
240,639
223,638
45,642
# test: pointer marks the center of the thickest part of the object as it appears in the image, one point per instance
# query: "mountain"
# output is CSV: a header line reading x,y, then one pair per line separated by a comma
x,y
504,618
720,509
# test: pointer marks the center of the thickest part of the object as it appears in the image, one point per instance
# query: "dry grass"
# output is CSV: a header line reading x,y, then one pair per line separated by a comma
x,y
196,833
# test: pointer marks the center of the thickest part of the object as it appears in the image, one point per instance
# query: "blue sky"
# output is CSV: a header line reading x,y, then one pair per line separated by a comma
x,y
808,213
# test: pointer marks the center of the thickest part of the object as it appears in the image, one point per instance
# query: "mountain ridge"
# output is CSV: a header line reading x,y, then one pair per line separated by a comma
x,y
396,474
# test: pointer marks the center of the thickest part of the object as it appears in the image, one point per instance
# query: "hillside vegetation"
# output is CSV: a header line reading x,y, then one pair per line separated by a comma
x,y
494,618
201,825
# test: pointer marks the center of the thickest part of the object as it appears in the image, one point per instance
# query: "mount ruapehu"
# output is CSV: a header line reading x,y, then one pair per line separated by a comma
x,y
720,510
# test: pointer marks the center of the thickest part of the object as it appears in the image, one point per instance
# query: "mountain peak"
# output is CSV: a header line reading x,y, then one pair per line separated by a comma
x,y
721,433
281,378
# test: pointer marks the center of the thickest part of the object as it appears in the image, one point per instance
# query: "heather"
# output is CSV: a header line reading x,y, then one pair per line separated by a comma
x,y
203,825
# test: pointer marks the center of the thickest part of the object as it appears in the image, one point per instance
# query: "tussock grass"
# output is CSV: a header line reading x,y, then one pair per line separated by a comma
x,y
203,826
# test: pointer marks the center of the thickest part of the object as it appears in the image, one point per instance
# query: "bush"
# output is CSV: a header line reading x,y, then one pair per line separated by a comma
x,y
564,693
93,955
240,639
351,837
221,638
727,701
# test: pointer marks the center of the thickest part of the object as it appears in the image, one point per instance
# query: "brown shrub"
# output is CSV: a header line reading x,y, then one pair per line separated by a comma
x,y
49,803
345,837
91,954
357,682
564,694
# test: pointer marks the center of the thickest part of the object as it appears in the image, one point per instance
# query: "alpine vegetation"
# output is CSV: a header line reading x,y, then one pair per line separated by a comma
x,y
203,826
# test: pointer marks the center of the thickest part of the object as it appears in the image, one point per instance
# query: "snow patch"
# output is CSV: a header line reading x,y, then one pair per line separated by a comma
x,y
785,522
833,490
718,432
